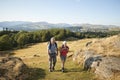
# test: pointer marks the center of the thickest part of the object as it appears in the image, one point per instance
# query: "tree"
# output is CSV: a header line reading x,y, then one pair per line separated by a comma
x,y
5,42
36,37
45,35
22,40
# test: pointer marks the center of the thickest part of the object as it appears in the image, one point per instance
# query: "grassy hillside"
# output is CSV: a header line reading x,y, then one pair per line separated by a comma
x,y
106,46
36,58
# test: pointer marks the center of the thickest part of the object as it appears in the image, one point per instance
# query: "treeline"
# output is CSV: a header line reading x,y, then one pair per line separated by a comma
x,y
18,39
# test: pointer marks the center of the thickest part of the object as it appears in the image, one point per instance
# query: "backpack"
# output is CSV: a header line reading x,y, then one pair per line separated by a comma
x,y
51,44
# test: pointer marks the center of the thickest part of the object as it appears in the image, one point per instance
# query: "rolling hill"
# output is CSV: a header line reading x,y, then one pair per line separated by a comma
x,y
36,58
30,26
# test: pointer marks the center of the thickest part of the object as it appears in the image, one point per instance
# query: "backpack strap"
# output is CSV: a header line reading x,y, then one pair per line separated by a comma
x,y
55,44
51,45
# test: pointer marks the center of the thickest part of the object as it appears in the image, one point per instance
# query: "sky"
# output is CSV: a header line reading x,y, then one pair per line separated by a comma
x,y
105,12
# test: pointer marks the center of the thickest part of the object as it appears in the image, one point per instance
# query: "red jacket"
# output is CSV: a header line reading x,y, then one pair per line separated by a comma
x,y
64,50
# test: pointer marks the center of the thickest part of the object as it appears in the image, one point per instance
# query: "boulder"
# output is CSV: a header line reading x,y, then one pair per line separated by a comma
x,y
105,67
108,68
12,68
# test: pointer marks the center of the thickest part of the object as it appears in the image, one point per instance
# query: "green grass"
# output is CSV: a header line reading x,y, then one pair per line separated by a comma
x,y
39,69
72,72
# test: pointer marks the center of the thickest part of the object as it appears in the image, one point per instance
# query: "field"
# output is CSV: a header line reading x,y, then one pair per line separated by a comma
x,y
36,58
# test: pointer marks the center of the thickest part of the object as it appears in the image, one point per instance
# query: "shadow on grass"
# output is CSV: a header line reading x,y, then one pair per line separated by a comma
x,y
7,53
71,70
74,70
36,74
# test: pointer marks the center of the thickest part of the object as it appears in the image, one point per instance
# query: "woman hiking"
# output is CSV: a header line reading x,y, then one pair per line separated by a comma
x,y
63,54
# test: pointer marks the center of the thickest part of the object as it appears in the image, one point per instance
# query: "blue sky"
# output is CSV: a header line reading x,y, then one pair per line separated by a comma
x,y
62,11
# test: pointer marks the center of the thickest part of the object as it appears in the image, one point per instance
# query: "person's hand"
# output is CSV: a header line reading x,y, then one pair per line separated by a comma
x,y
49,51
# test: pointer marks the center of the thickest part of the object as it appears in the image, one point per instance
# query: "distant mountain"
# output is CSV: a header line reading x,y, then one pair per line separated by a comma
x,y
95,26
12,23
30,26
21,25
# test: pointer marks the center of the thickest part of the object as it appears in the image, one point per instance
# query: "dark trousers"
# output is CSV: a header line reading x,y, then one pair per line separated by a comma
x,y
52,60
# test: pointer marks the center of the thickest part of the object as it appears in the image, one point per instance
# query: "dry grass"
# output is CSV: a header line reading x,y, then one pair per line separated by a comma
x,y
35,56
107,46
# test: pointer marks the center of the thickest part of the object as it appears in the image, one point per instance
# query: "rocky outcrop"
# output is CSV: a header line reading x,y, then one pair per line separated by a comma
x,y
12,68
108,68
105,67
102,57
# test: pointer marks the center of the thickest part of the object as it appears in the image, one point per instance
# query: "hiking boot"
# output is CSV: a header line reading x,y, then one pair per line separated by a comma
x,y
53,68
62,69
50,70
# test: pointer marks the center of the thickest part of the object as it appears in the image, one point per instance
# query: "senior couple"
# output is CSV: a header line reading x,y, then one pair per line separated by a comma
x,y
53,52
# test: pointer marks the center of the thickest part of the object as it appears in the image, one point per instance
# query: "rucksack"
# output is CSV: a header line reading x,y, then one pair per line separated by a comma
x,y
51,44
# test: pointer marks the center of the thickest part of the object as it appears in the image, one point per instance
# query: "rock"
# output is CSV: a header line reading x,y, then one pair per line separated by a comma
x,y
12,68
78,57
90,59
36,55
88,43
108,68
102,57
105,67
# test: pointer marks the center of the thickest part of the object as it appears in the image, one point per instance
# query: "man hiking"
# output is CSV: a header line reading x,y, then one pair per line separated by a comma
x,y
52,53
63,54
